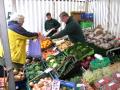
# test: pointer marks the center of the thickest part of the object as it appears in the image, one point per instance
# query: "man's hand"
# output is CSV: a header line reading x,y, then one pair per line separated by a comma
x,y
40,36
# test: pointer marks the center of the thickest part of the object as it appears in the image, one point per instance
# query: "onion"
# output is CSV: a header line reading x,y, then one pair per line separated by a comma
x,y
15,72
89,58
31,84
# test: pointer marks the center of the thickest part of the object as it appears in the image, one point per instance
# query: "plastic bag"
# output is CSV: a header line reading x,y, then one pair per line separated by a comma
x,y
34,49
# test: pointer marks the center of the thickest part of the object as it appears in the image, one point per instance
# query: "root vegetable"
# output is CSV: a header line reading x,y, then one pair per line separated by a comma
x,y
15,72
41,84
17,78
89,58
31,84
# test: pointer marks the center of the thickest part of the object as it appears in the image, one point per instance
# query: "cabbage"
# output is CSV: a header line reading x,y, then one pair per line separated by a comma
x,y
98,74
89,77
106,71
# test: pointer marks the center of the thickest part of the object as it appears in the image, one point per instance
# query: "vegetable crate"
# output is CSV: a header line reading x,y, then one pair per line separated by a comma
x,y
86,24
34,69
80,51
68,64
87,16
96,64
114,54
55,61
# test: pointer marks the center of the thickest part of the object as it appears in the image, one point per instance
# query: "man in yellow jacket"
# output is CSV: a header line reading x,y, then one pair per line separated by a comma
x,y
17,40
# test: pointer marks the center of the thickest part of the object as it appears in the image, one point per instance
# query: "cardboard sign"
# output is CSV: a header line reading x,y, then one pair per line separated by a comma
x,y
55,85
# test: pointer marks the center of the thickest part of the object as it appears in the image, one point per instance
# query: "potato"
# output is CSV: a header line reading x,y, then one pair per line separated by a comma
x,y
31,84
15,72
36,86
21,73
41,84
17,78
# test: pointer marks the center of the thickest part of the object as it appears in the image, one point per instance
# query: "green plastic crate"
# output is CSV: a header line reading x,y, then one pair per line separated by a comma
x,y
96,64
80,51
86,24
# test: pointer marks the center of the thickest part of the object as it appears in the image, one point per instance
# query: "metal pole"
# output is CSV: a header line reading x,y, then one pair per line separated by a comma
x,y
108,23
87,5
5,42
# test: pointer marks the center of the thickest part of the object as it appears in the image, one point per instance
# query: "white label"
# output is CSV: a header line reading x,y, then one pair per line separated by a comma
x,y
101,81
56,53
55,85
112,83
54,48
118,75
48,70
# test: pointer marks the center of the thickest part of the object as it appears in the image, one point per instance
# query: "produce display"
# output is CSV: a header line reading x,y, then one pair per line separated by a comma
x,y
96,64
88,87
48,83
116,76
49,52
96,72
109,83
64,45
80,51
112,86
100,38
33,70
46,43
68,64
55,61
42,84
75,79
99,84
92,76
86,62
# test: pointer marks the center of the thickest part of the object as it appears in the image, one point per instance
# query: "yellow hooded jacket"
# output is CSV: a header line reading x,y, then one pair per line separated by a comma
x,y
17,44
17,47
1,49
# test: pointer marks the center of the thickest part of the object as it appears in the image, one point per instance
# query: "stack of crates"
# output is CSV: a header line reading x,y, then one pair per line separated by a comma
x,y
87,20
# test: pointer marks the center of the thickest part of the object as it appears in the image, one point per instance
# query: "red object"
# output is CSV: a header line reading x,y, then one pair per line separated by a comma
x,y
116,77
2,82
103,82
117,39
112,86
48,52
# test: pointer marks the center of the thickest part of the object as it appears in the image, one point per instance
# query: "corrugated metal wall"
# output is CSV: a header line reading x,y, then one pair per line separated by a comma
x,y
106,12
35,10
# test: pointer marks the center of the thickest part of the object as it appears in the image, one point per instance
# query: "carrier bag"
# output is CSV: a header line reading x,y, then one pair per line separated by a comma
x,y
34,49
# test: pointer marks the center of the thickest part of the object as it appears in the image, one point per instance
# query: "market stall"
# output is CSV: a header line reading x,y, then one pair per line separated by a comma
x,y
60,64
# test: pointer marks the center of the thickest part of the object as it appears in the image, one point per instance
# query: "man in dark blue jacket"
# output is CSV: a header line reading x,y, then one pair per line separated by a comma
x,y
72,29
